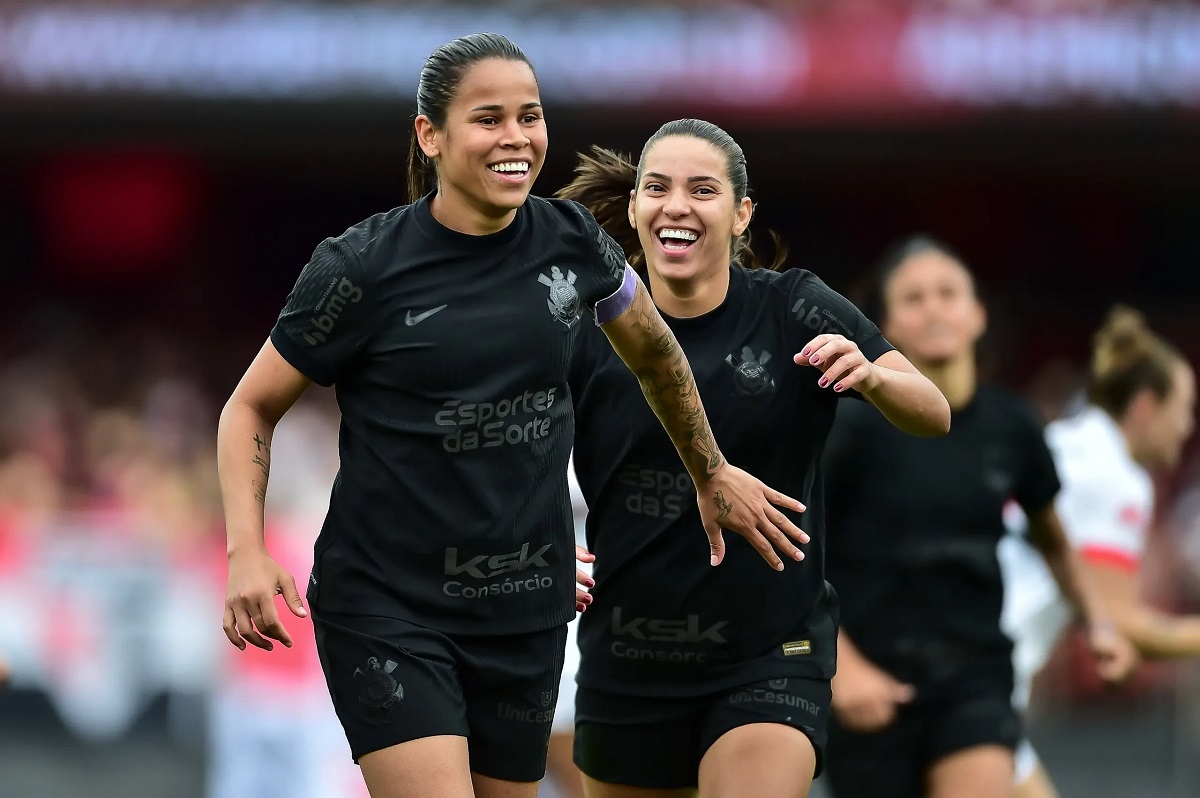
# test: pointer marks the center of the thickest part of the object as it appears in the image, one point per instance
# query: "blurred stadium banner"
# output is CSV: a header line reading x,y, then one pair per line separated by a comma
x,y
781,64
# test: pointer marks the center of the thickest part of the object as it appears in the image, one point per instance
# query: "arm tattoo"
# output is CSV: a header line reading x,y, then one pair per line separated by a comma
x,y
264,463
723,507
667,381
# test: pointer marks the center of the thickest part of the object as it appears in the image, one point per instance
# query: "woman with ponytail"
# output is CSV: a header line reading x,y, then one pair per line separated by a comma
x,y
1140,412
922,701
689,676
444,575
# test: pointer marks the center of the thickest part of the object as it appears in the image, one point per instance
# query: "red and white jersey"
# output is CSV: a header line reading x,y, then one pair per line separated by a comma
x,y
1105,504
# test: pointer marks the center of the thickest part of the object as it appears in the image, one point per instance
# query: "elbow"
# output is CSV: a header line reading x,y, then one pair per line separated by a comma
x,y
936,422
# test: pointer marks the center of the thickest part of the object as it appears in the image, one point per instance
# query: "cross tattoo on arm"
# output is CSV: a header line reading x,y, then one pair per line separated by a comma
x,y
261,444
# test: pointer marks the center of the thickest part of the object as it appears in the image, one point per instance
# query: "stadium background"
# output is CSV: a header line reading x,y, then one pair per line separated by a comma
x,y
168,165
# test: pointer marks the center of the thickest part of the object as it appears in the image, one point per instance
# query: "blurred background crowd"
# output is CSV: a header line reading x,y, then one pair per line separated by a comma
x,y
168,165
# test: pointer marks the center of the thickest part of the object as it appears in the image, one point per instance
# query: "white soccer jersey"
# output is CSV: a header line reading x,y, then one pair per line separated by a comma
x,y
1105,505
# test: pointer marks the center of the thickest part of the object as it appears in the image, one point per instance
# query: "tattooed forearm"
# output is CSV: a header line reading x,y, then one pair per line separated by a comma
x,y
667,381
263,460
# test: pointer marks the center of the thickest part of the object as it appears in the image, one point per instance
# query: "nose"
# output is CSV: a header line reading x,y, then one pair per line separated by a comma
x,y
677,205
513,135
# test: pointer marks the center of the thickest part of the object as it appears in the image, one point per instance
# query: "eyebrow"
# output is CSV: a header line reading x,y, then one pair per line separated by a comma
x,y
695,179
494,108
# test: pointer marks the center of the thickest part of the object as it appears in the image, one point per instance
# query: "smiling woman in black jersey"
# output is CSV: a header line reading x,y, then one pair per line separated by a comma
x,y
692,676
444,574
922,697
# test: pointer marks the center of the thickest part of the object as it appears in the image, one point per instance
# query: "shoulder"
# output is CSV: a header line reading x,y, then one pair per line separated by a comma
x,y
563,215
1008,407
373,237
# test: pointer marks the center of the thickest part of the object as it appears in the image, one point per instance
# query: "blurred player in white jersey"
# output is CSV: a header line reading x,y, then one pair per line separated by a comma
x,y
562,776
1140,412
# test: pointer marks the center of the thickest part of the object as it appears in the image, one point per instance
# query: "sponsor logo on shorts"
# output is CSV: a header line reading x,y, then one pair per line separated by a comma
x,y
797,648
339,294
688,632
486,425
377,687
776,695
516,714
500,574
655,493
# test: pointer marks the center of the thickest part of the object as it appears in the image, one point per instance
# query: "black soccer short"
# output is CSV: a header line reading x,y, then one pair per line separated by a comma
x,y
658,743
392,682
968,711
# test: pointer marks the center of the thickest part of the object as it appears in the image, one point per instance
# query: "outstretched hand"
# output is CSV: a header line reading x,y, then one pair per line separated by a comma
x,y
733,499
250,616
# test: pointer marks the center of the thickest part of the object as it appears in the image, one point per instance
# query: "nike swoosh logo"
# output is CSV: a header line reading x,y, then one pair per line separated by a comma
x,y
412,320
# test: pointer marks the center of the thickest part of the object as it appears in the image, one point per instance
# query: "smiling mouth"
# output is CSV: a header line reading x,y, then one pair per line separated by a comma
x,y
675,239
511,171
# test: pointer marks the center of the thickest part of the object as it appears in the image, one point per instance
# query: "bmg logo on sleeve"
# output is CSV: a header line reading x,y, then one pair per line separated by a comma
x,y
486,568
323,324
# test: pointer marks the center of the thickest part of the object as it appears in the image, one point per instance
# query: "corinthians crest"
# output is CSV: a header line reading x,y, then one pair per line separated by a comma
x,y
377,687
750,375
564,299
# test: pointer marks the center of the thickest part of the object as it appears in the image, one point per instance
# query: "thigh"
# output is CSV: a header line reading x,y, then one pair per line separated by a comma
x,y
793,704
511,685
778,760
649,744
883,764
391,682
431,767
983,771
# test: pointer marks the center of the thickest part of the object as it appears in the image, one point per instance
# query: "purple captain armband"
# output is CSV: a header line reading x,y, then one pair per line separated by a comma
x,y
619,301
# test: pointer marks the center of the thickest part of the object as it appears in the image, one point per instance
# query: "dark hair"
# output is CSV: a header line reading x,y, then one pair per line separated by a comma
x,y
1128,358
874,293
604,179
440,78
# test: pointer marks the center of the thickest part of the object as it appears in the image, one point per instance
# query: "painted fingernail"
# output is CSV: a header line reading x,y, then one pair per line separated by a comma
x,y
839,387
805,351
823,381
590,583
587,599
580,607
814,359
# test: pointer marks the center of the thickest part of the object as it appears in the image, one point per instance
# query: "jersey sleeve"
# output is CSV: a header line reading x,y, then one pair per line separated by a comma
x,y
1037,481
816,309
325,322
608,283
1105,512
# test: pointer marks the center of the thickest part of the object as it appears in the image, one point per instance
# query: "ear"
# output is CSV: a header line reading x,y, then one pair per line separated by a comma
x,y
742,216
427,136
632,217
1143,406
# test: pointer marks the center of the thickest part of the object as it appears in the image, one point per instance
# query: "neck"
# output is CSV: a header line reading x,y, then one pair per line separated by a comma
x,y
684,299
458,214
956,379
1130,436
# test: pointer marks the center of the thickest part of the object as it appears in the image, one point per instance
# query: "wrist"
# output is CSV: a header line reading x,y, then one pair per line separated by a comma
x,y
240,547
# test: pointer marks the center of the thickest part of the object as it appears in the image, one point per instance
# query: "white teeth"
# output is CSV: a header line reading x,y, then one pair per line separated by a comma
x,y
510,166
683,235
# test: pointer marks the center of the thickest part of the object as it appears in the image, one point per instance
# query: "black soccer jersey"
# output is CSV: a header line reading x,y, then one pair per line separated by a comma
x,y
664,622
916,522
450,356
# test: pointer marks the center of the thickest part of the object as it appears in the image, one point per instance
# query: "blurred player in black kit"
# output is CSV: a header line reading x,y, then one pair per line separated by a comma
x,y
444,574
922,697
693,677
